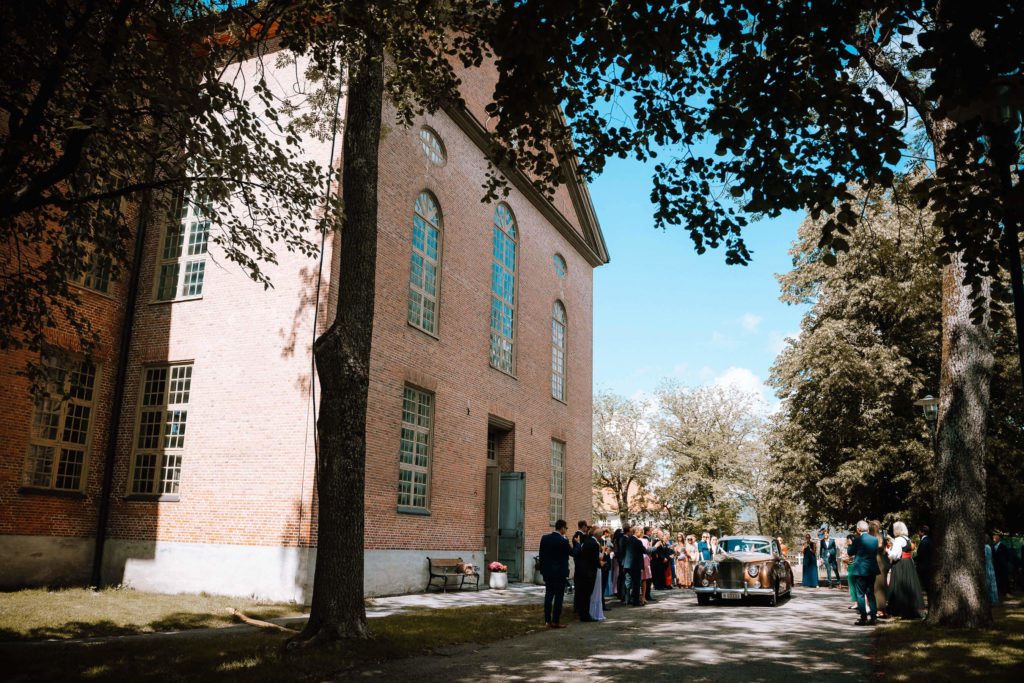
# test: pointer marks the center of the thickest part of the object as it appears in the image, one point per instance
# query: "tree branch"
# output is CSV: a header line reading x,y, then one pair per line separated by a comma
x,y
872,53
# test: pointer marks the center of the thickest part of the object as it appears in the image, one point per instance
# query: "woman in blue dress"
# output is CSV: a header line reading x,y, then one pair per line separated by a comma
x,y
990,576
810,578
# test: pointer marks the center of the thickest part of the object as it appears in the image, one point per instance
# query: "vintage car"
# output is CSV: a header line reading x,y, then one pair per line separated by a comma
x,y
744,566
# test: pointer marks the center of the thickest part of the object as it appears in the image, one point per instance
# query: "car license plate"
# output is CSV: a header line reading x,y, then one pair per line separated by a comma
x,y
732,595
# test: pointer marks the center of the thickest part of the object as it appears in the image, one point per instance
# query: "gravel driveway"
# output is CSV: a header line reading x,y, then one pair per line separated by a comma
x,y
810,634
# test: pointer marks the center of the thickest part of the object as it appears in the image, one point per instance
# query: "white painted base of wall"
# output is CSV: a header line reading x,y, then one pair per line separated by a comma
x,y
32,561
268,572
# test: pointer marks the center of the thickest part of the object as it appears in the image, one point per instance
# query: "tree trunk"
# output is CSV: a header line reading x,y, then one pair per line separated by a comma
x,y
342,356
959,564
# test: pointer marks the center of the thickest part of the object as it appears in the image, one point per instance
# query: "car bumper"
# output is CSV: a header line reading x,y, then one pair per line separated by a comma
x,y
746,590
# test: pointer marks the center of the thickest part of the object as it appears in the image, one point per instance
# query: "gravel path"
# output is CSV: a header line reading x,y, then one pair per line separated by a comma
x,y
810,634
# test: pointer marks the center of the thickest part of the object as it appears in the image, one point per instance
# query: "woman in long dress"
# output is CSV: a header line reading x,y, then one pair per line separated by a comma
x,y
597,595
646,574
990,576
683,573
810,564
904,599
882,580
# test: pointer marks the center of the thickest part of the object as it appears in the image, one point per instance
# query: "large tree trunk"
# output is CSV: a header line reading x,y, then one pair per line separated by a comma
x,y
959,582
342,356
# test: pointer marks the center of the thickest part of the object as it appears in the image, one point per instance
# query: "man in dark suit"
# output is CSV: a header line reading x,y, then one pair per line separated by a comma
x,y
554,567
828,554
633,566
619,548
863,570
1004,559
923,560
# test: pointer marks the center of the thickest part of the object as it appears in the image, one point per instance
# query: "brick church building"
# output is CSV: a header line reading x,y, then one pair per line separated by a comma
x,y
186,442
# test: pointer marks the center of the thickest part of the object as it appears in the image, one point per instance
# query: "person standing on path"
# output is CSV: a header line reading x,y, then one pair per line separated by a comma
x,y
828,554
863,558
588,564
923,559
633,566
1003,557
554,567
810,564
704,547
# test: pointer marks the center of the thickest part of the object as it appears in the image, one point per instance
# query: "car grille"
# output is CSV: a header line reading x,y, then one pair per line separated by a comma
x,y
730,574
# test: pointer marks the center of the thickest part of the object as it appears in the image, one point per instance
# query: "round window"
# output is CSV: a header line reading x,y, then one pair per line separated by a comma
x,y
432,146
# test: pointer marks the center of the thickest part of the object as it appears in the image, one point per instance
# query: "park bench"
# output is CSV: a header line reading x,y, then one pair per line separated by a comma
x,y
450,567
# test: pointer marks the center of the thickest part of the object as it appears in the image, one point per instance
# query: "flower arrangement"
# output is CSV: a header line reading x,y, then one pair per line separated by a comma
x,y
497,567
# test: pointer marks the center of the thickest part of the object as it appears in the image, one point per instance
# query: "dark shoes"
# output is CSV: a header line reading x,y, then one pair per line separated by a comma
x,y
555,625
866,622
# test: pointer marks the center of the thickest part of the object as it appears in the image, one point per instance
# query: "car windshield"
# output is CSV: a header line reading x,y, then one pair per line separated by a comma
x,y
744,545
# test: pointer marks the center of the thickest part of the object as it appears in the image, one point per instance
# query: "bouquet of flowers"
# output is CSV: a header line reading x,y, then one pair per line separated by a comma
x,y
497,567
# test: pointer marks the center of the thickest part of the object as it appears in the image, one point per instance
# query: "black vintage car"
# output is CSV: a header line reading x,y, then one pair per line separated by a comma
x,y
745,566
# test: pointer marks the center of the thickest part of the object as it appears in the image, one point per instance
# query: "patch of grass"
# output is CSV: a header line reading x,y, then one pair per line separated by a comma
x,y
83,613
912,651
253,657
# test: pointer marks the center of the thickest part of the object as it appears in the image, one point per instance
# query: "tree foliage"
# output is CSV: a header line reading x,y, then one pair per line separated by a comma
x,y
852,442
624,451
104,102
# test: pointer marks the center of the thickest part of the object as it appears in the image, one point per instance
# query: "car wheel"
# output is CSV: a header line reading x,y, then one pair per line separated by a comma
x,y
773,599
703,599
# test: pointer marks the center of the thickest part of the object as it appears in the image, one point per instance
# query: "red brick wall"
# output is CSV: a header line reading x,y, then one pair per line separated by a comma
x,y
247,475
30,511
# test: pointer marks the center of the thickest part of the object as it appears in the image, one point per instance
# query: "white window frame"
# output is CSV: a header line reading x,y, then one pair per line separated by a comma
x,y
504,287
159,438
60,412
180,270
559,343
415,450
425,264
556,498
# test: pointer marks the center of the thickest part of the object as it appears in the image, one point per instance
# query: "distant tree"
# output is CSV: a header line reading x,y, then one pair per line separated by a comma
x,y
849,438
707,439
801,102
624,452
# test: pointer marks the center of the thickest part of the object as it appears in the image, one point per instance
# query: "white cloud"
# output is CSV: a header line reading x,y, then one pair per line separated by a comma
x,y
705,373
777,340
747,381
750,322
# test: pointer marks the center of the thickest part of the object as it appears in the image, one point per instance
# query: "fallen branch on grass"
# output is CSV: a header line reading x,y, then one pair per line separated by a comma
x,y
258,623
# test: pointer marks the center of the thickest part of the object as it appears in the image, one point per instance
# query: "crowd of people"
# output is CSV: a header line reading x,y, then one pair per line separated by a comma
x,y
624,566
888,575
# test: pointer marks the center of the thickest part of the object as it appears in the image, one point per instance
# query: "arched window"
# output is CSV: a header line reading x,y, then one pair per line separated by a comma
x,y
560,268
425,264
558,327
503,290
432,146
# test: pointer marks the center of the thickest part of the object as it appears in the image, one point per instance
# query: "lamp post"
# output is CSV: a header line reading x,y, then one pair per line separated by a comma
x,y
930,407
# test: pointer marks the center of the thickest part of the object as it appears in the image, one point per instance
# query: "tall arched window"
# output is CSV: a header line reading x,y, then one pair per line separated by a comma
x,y
425,265
558,326
503,290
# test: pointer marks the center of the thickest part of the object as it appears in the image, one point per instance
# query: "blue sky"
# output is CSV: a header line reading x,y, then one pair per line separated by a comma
x,y
662,311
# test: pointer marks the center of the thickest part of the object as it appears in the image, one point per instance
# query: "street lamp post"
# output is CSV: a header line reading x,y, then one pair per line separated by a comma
x,y
930,407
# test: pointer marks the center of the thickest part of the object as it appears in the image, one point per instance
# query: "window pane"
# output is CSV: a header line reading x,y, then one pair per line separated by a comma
x,y
154,387
192,284
69,471
76,424
145,471
39,468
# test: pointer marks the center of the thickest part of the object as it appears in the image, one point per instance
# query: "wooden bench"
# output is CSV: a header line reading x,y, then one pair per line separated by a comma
x,y
448,567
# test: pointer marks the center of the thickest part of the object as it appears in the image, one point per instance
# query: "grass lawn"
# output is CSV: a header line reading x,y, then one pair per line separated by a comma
x,y
82,613
227,655
911,651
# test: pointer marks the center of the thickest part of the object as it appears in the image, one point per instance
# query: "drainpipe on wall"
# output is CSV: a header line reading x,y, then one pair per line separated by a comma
x,y
119,381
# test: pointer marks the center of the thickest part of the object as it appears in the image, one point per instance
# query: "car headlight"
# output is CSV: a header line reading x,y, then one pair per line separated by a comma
x,y
705,582
753,570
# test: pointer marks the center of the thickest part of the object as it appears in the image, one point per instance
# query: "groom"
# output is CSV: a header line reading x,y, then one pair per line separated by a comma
x,y
554,567
863,570
828,554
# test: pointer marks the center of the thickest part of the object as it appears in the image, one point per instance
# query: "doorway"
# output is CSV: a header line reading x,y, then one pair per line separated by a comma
x,y
505,501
